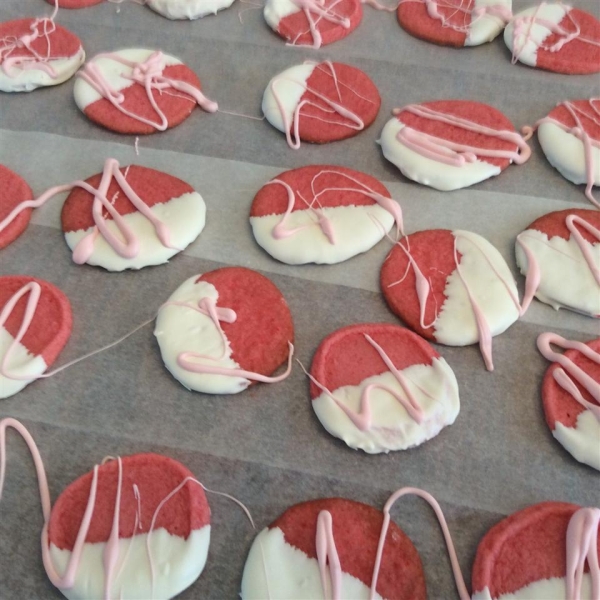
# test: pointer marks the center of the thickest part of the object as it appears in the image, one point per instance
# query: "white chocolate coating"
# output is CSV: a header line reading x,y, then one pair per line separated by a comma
x,y
275,10
583,440
488,27
544,589
188,9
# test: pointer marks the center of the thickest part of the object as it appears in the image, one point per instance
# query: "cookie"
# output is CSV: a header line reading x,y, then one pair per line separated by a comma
x,y
74,3
564,249
35,325
293,549
527,555
37,53
152,217
147,535
451,144
380,387
454,22
322,214
313,23
221,331
555,37
571,395
452,287
570,139
320,102
138,91
187,9
13,191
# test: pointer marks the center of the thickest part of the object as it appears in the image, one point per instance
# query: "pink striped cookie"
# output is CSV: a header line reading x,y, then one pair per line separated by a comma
x,y
138,91
571,395
320,102
451,144
452,287
148,534
454,22
13,191
35,325
313,23
380,387
37,53
286,557
321,214
528,555
156,214
221,331
555,37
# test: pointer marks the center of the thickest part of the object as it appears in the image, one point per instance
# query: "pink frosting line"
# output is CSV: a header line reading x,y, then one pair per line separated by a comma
x,y
582,547
322,11
568,370
148,74
327,555
458,577
454,153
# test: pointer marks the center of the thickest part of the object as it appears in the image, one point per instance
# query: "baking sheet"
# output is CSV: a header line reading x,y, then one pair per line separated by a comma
x,y
265,446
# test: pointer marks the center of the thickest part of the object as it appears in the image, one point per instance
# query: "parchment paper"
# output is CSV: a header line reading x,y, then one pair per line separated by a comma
x,y
265,446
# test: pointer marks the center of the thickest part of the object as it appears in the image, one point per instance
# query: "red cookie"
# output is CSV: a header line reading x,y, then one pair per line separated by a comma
x,y
247,340
329,101
364,361
138,91
453,22
158,512
13,191
312,23
74,3
289,546
450,286
179,209
44,338
321,214
555,37
37,52
571,395
526,549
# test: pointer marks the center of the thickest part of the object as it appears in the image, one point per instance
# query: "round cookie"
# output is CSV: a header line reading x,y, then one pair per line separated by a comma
x,y
167,216
564,248
555,37
187,9
287,552
221,331
570,139
455,22
451,144
322,214
13,191
138,91
571,396
145,505
74,3
320,102
311,22
380,387
523,557
452,287
37,53
29,349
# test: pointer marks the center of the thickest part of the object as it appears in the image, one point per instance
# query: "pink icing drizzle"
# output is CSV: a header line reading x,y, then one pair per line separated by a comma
x,y
280,231
129,248
581,134
454,153
363,419
335,107
323,11
522,26
148,74
327,555
568,370
582,546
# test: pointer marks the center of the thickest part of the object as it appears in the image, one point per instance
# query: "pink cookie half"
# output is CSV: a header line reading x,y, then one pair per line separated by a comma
x,y
371,360
289,545
13,191
523,550
46,336
158,510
